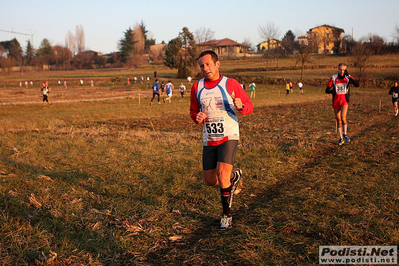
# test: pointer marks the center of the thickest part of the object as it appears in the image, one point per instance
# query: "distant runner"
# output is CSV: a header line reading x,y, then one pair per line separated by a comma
x,y
394,92
339,87
300,85
252,89
182,89
169,89
155,91
45,92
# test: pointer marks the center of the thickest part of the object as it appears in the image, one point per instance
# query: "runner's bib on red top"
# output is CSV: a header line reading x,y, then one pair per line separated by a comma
x,y
341,85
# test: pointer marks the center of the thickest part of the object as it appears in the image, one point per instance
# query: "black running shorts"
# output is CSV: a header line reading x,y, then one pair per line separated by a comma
x,y
224,153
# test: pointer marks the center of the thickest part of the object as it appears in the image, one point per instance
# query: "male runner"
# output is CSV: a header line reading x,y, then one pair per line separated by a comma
x,y
214,102
155,91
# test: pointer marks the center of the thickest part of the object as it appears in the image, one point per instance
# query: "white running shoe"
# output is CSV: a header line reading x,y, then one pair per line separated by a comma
x,y
226,222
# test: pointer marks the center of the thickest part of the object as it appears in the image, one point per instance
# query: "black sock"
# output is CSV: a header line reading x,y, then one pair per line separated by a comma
x,y
225,195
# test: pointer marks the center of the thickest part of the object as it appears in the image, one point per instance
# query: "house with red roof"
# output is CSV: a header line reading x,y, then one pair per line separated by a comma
x,y
225,47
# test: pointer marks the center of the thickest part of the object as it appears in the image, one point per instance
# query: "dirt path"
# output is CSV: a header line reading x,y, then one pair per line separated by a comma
x,y
20,96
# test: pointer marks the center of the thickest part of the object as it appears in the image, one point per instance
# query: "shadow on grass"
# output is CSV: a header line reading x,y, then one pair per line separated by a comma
x,y
319,203
77,235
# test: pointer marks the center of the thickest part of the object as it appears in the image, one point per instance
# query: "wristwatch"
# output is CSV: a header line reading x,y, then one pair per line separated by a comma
x,y
242,108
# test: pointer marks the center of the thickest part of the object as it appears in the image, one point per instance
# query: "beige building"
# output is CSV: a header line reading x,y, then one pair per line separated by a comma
x,y
325,39
225,47
269,45
303,40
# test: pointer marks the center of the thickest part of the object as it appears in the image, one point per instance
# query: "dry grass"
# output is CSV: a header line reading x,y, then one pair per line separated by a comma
x,y
114,183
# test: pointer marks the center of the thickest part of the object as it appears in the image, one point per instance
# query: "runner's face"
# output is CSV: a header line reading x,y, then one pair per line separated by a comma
x,y
209,69
341,70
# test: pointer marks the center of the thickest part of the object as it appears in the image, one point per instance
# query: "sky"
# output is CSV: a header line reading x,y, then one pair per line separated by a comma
x,y
104,22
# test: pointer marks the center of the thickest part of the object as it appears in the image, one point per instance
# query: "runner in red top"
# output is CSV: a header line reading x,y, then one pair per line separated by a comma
x,y
214,103
340,89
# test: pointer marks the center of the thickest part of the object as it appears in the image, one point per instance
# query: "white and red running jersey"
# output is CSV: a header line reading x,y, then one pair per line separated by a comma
x,y
221,123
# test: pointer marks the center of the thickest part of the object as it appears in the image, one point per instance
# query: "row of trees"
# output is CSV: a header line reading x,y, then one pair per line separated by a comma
x,y
73,55
62,57
180,52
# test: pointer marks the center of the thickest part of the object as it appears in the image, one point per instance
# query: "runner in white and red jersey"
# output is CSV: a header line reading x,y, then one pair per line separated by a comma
x,y
215,100
339,86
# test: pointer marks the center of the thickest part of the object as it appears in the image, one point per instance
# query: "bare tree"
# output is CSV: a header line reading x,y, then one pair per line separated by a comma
x,y
80,38
7,63
395,33
268,32
61,57
138,39
303,56
70,42
248,42
361,54
203,34
376,43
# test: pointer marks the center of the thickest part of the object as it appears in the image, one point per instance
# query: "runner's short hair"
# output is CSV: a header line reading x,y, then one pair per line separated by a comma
x,y
214,56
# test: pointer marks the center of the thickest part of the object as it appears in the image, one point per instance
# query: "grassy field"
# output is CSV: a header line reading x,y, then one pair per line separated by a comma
x,y
112,182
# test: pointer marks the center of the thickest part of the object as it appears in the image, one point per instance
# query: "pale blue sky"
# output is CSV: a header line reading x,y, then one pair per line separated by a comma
x,y
104,22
